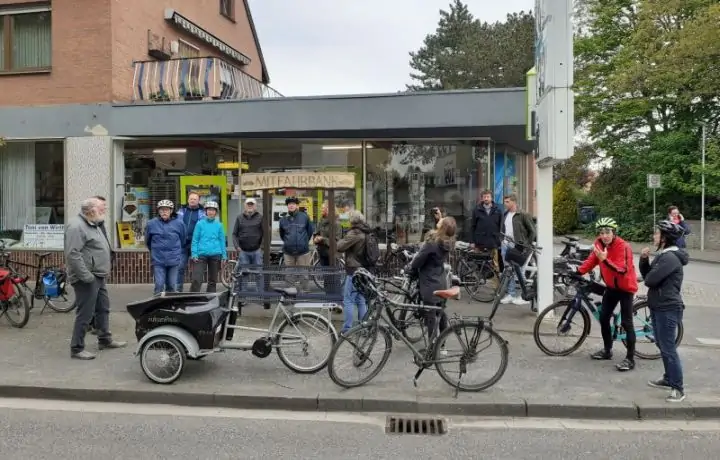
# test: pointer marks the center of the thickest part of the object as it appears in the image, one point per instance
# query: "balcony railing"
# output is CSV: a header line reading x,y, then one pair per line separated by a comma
x,y
201,78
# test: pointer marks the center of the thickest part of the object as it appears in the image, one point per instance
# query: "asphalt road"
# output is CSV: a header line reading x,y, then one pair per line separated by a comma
x,y
34,429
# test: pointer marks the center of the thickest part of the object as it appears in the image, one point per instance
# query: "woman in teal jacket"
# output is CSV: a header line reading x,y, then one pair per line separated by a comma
x,y
208,248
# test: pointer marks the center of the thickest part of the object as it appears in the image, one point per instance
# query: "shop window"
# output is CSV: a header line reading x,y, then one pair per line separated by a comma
x,y
157,172
406,180
32,198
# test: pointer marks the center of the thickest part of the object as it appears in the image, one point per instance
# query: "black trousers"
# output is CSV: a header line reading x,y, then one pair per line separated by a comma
x,y
609,301
198,273
436,321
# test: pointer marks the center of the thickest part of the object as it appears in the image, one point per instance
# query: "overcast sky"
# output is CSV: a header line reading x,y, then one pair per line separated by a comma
x,y
316,47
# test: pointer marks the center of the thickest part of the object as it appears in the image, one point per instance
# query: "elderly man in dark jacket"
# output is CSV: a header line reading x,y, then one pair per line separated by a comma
x,y
296,229
486,225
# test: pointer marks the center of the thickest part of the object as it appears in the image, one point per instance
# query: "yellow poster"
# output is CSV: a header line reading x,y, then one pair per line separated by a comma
x,y
209,188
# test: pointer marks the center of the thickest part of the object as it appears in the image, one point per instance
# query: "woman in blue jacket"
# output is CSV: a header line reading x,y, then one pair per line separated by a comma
x,y
164,237
208,248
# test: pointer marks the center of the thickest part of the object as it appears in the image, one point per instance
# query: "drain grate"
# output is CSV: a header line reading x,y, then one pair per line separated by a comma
x,y
407,425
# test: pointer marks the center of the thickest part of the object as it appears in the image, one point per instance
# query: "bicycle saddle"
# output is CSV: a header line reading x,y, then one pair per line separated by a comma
x,y
451,293
289,292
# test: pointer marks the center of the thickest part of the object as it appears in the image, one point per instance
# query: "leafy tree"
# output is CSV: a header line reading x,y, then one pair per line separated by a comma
x,y
576,169
565,217
465,53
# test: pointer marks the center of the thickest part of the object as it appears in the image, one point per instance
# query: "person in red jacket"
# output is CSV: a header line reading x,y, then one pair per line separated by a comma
x,y
617,268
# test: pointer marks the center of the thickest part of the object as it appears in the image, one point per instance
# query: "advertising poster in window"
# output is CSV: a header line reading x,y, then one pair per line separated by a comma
x,y
209,188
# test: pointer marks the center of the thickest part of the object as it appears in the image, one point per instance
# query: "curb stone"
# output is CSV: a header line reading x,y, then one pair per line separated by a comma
x,y
345,402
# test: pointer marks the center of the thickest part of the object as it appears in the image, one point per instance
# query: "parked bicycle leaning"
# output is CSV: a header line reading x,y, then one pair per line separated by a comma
x,y
617,268
664,277
164,238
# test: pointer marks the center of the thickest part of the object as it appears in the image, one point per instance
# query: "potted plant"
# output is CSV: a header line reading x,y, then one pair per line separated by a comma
x,y
194,93
160,96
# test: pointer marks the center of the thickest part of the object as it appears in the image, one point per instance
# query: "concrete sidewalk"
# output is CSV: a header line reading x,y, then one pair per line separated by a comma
x,y
37,365
707,256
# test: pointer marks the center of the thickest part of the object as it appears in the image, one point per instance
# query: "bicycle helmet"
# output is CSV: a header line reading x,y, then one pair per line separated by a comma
x,y
165,204
211,205
606,222
365,283
670,229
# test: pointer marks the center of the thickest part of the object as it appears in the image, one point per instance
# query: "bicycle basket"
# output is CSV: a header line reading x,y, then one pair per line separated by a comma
x,y
516,256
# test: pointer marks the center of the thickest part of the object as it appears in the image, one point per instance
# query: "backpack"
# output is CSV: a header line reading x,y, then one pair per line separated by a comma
x,y
371,250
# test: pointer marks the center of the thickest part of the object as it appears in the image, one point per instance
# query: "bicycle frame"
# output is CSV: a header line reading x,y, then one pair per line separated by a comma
x,y
582,300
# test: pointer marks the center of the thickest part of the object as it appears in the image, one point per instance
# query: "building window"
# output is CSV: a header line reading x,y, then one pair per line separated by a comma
x,y
191,53
406,180
227,9
25,40
32,195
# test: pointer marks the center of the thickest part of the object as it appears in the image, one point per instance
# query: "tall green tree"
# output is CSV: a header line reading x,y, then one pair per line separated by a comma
x,y
465,53
646,76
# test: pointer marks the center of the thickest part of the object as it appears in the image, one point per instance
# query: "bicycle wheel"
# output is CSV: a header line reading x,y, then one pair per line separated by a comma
x,y
643,330
226,272
17,308
478,283
65,303
473,341
561,325
410,324
360,341
306,332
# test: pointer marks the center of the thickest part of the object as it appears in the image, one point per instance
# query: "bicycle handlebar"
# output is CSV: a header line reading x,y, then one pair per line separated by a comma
x,y
533,246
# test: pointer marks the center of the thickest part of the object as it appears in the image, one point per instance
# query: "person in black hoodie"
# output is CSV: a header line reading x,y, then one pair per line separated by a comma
x,y
429,267
664,278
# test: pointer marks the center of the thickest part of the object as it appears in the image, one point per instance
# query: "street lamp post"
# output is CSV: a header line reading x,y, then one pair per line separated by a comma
x,y
702,190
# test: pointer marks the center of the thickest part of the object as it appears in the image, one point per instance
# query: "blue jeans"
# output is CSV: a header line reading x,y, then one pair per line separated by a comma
x,y
512,286
185,257
352,298
165,278
665,325
251,258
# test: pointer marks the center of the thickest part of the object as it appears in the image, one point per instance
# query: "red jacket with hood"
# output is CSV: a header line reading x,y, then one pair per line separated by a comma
x,y
618,269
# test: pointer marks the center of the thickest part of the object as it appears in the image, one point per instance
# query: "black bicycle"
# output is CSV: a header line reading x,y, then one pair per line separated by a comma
x,y
477,271
474,335
59,299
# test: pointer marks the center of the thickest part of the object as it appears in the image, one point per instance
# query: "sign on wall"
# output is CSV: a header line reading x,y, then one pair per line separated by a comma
x,y
299,180
44,236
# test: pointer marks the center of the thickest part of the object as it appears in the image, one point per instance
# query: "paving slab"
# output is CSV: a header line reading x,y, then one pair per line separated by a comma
x,y
37,364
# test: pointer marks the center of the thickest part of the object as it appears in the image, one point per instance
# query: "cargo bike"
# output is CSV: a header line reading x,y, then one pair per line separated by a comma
x,y
172,328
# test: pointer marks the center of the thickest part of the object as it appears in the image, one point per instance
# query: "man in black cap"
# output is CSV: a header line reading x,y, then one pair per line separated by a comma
x,y
296,229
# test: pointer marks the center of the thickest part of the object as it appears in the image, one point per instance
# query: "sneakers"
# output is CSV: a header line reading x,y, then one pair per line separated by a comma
x,y
83,355
517,300
507,299
659,383
112,344
625,365
675,396
520,301
602,355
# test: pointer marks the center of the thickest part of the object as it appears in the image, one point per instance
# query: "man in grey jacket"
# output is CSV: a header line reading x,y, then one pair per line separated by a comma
x,y
88,263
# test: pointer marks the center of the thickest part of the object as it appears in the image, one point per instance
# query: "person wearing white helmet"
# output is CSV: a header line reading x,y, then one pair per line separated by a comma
x,y
208,248
164,238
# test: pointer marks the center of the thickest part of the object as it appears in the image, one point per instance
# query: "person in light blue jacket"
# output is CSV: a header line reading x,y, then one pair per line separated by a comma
x,y
208,248
165,238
